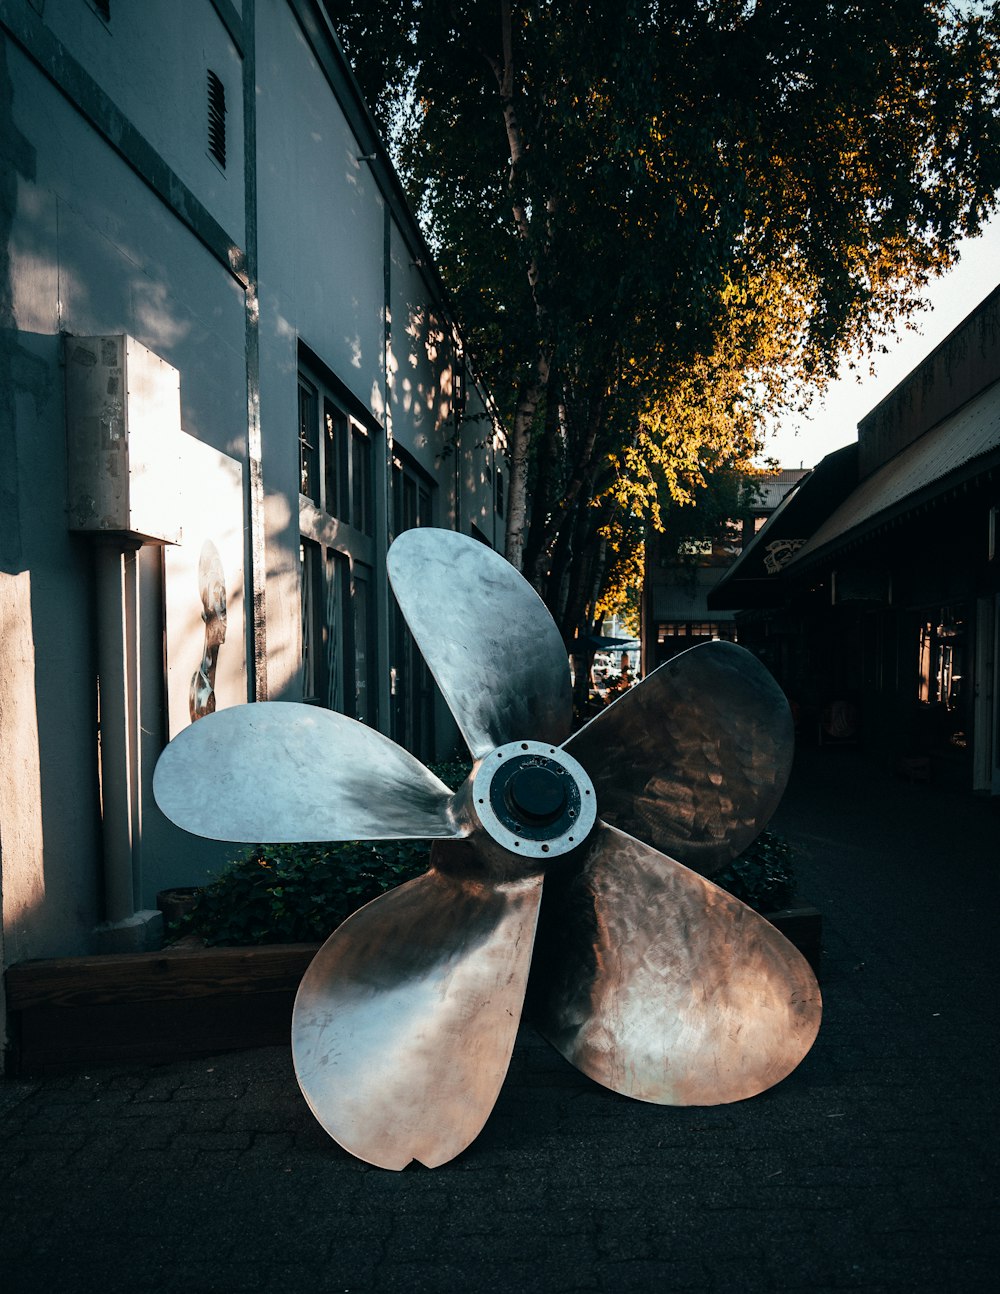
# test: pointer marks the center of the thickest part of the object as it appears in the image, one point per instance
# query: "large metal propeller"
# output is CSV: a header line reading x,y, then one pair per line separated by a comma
x,y
646,976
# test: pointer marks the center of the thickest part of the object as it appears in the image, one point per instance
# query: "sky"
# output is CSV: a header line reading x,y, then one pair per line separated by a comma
x,y
803,441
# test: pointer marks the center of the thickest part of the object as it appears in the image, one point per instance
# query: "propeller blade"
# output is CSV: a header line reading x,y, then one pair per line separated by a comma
x,y
486,636
694,759
283,772
405,1021
659,985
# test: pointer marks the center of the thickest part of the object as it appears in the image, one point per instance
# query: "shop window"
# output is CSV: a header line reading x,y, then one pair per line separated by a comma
x,y
942,692
941,663
700,629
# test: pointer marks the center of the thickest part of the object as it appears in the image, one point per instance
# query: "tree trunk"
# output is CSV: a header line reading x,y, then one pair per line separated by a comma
x,y
520,450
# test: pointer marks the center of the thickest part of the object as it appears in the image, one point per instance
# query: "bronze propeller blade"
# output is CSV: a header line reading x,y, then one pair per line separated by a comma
x,y
405,1021
279,771
693,759
661,986
650,979
486,636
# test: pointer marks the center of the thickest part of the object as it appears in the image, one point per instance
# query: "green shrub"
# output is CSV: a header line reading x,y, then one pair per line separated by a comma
x,y
290,894
298,893
763,875
301,893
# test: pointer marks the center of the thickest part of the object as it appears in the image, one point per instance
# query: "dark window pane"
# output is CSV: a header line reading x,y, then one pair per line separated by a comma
x,y
362,494
365,663
334,467
308,443
336,655
312,621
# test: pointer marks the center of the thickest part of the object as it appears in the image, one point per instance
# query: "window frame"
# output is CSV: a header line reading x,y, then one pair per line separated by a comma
x,y
340,444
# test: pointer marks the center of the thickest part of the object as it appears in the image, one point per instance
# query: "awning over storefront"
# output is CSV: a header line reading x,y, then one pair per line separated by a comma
x,y
944,458
752,579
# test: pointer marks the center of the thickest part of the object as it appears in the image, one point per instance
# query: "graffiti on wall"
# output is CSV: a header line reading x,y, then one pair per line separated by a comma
x,y
203,577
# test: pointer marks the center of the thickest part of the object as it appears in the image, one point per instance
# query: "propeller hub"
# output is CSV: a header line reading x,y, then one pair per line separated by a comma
x,y
533,799
536,793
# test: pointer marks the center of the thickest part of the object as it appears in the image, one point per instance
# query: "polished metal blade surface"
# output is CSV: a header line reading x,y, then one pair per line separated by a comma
x,y
278,771
694,759
405,1021
486,636
661,986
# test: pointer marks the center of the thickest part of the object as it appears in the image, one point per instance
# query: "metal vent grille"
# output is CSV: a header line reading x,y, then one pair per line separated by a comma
x,y
216,118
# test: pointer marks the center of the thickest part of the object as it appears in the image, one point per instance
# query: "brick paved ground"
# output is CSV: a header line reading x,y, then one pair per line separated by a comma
x,y
871,1168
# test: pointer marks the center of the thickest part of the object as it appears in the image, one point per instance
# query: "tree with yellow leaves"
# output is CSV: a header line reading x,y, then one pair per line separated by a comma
x,y
662,221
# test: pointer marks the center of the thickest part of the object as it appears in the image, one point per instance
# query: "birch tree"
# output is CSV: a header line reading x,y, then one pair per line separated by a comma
x,y
662,221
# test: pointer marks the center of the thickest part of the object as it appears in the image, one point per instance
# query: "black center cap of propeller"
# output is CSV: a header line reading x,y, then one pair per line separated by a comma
x,y
534,797
536,794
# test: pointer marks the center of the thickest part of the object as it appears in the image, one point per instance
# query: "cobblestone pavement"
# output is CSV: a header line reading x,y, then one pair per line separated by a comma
x,y
873,1167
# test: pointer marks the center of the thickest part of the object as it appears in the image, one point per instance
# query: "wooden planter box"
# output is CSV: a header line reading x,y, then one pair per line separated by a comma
x,y
151,1007
187,1001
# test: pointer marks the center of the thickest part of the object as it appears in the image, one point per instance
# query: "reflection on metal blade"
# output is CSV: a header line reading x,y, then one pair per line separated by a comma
x,y
279,771
486,636
661,986
405,1021
694,759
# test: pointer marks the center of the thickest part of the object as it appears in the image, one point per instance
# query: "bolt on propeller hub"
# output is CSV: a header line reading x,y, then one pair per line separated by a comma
x,y
533,799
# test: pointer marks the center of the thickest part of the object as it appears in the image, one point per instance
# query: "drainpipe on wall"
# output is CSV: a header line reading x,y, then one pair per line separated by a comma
x,y
117,618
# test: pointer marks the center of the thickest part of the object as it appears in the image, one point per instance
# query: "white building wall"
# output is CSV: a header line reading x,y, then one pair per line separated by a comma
x,y
93,251
100,243
421,359
153,60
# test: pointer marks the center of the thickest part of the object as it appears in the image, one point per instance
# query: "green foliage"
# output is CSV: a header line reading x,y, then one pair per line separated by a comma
x,y
300,893
763,876
663,223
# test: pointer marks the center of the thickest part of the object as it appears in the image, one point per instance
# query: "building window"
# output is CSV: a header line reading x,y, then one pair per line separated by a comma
x,y
335,477
328,636
362,477
217,118
944,713
309,454
412,493
724,629
338,483
312,624
941,660
336,455
365,655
